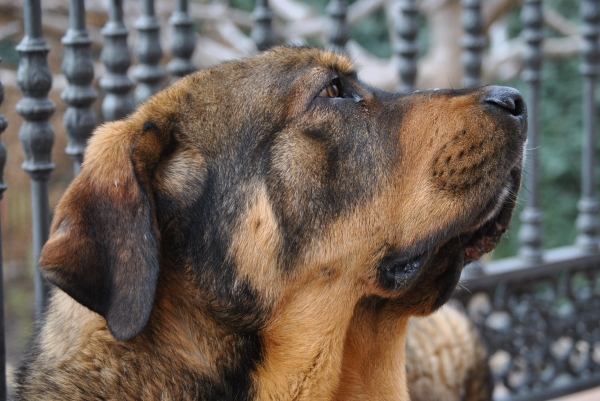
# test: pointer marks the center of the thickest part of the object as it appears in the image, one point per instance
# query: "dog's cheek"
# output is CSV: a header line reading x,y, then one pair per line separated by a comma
x,y
255,247
297,187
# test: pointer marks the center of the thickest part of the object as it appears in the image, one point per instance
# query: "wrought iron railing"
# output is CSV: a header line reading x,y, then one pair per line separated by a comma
x,y
540,322
3,124
538,312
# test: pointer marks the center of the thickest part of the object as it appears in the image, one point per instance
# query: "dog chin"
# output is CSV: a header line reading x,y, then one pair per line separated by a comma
x,y
489,233
401,271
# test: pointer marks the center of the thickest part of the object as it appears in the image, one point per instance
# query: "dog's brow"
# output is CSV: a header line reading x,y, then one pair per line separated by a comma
x,y
337,63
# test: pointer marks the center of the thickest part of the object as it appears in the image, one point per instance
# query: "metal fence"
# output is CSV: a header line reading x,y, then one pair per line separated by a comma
x,y
538,312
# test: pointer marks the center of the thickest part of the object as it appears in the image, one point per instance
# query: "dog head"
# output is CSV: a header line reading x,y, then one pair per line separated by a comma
x,y
263,176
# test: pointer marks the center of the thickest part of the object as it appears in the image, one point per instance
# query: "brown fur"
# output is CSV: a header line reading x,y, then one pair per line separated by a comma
x,y
244,236
446,359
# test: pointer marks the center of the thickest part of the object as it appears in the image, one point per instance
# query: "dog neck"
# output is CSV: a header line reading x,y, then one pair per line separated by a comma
x,y
374,354
316,354
305,352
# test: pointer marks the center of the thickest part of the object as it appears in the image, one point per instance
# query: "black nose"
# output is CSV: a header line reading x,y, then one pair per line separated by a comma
x,y
507,99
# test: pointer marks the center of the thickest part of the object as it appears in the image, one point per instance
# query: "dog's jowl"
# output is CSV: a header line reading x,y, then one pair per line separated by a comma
x,y
263,230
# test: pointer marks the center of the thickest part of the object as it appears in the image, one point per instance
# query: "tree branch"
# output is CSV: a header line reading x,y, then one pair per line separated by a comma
x,y
495,9
315,25
362,9
429,6
559,23
291,10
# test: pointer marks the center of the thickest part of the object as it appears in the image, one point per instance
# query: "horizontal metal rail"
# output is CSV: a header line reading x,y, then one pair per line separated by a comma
x,y
539,321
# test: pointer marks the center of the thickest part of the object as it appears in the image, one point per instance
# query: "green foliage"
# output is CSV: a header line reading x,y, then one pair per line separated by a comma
x,y
10,57
373,35
247,5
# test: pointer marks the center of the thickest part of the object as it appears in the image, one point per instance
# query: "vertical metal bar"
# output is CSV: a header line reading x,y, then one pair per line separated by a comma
x,y
117,58
36,134
3,125
531,234
337,27
473,42
78,67
587,221
262,32
407,48
148,72
183,42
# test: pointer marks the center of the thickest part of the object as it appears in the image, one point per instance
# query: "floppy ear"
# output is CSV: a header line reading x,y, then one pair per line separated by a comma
x,y
103,249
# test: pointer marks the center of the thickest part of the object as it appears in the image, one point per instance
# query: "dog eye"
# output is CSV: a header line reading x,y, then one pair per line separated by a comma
x,y
332,90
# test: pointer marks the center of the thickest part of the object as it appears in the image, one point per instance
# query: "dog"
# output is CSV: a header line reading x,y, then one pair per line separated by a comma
x,y
446,359
264,229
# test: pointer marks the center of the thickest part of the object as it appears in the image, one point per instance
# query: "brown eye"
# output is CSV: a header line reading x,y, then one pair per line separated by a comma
x,y
332,90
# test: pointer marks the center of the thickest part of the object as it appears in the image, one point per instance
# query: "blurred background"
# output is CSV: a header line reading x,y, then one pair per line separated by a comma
x,y
222,32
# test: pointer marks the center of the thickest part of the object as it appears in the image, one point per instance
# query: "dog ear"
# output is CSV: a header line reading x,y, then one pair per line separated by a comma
x,y
103,250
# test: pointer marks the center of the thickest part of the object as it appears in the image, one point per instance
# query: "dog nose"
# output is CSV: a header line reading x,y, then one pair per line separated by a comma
x,y
507,99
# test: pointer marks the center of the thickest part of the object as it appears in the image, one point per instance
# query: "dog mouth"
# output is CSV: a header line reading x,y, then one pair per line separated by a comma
x,y
488,236
496,223
400,269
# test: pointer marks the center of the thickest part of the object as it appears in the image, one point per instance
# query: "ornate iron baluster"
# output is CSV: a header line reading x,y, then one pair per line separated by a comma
x,y
147,49
183,42
531,231
262,33
473,42
337,27
36,134
3,125
117,58
78,67
407,47
587,221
